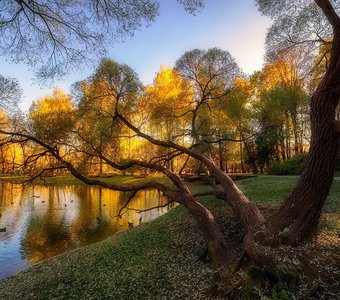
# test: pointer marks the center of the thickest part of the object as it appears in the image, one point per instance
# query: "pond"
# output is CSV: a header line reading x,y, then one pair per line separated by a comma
x,y
43,221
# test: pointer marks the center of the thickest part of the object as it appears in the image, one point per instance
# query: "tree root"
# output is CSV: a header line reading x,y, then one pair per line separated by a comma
x,y
281,272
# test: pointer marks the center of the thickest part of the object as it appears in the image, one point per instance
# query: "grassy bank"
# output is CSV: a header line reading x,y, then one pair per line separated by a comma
x,y
162,259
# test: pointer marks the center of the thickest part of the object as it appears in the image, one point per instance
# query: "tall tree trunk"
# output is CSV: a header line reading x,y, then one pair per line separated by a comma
x,y
287,137
3,160
298,217
221,156
100,166
283,147
276,153
295,132
251,156
241,157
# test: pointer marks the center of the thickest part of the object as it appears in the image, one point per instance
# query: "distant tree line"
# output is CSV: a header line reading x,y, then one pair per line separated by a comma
x,y
244,123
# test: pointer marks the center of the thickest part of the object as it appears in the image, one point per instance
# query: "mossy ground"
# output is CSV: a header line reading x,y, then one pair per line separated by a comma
x,y
163,259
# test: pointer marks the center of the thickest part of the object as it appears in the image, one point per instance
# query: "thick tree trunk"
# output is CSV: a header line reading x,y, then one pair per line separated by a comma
x,y
248,213
298,217
214,238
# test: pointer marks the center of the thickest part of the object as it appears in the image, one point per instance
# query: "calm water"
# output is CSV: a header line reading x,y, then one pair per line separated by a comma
x,y
43,221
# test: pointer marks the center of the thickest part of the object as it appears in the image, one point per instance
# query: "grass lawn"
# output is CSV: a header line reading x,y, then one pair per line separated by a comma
x,y
271,190
157,260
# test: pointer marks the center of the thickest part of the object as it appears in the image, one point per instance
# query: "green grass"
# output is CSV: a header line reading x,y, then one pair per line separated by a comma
x,y
265,190
69,179
271,190
157,260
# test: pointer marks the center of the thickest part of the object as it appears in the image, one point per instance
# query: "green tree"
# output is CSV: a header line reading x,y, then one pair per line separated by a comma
x,y
113,87
52,117
240,114
211,74
282,103
300,212
165,107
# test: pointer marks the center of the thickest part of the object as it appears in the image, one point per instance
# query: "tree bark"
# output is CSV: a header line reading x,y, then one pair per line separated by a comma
x,y
241,157
297,219
251,156
214,238
248,213
221,156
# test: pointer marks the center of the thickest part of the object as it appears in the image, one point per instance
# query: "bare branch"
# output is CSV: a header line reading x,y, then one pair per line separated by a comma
x,y
330,13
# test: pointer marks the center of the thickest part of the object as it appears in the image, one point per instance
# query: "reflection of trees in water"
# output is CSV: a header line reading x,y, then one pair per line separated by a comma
x,y
137,208
65,223
73,217
43,239
12,214
46,233
11,194
59,218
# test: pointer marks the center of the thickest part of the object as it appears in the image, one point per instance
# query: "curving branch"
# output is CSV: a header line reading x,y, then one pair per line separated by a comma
x,y
249,214
152,184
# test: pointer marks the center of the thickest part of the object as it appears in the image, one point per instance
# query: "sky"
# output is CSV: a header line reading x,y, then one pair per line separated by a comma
x,y
235,26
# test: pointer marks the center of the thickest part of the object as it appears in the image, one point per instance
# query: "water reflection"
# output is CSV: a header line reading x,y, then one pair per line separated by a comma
x,y
43,221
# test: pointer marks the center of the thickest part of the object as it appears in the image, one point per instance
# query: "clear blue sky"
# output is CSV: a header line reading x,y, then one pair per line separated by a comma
x,y
235,26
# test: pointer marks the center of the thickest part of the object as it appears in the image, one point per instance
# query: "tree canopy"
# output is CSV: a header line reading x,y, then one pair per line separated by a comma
x,y
70,33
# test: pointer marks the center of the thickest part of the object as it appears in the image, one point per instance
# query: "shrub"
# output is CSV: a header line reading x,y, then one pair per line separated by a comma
x,y
293,166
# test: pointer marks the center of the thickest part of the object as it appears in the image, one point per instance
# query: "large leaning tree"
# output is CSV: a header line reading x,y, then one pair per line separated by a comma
x,y
301,24
311,23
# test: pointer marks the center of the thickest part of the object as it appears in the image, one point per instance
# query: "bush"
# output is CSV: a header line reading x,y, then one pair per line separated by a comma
x,y
293,166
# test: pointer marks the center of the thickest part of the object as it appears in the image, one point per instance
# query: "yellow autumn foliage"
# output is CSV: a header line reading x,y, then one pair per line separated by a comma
x,y
52,116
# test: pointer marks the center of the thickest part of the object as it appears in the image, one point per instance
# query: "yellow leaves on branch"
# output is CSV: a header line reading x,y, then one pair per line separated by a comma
x,y
58,102
52,115
279,72
169,96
